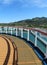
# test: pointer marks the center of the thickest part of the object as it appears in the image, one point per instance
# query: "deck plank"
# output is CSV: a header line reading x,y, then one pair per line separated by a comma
x,y
26,55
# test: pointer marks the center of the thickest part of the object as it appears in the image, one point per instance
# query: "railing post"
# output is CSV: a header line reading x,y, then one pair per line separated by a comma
x,y
46,52
21,32
16,32
11,30
6,30
0,29
35,38
28,35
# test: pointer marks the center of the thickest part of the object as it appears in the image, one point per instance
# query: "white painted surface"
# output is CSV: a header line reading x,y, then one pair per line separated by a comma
x,y
36,38
21,32
11,31
28,35
46,51
6,30
16,32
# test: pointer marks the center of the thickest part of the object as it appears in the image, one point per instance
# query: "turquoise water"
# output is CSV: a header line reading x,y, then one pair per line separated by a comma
x,y
25,34
9,32
13,32
19,33
43,37
32,38
41,45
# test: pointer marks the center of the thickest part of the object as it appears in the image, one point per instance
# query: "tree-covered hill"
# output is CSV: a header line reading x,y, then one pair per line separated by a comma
x,y
34,22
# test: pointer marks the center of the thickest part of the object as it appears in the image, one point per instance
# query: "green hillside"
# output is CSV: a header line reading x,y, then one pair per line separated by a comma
x,y
34,22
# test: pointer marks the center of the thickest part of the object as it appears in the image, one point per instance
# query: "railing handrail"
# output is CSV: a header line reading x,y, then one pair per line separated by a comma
x,y
34,29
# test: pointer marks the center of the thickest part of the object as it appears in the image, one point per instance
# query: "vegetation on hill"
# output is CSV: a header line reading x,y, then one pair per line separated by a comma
x,y
34,22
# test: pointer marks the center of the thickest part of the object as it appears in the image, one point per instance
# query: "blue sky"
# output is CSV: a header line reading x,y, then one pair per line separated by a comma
x,y
15,10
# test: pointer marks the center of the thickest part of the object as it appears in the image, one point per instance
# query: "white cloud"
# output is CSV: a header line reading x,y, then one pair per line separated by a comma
x,y
40,3
6,1
37,3
27,3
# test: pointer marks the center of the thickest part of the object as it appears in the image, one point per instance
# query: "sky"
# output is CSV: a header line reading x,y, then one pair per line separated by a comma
x,y
15,10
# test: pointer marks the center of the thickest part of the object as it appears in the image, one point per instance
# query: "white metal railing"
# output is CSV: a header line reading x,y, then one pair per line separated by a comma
x,y
35,33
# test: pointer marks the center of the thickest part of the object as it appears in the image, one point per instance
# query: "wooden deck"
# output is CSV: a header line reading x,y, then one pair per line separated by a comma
x,y
3,50
7,51
26,55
